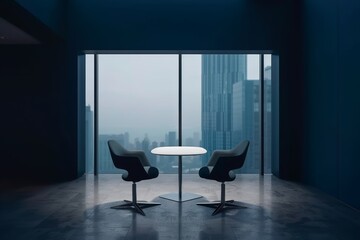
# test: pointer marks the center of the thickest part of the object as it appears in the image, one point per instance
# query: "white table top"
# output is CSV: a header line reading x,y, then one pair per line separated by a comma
x,y
178,151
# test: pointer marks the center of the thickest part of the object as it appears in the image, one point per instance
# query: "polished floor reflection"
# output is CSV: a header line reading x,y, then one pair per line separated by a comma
x,y
81,209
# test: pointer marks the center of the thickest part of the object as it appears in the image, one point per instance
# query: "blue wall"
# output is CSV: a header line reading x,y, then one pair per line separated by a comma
x,y
37,120
331,137
39,114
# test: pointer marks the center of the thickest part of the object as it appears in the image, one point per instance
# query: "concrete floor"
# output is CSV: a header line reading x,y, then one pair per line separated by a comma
x,y
80,209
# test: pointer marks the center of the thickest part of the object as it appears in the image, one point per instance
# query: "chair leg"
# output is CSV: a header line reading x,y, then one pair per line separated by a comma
x,y
222,204
134,204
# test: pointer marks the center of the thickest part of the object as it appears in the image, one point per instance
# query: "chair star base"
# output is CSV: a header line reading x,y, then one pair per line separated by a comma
x,y
222,204
219,206
137,206
137,168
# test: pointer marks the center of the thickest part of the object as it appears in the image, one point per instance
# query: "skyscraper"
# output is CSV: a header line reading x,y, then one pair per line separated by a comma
x,y
172,138
219,74
251,126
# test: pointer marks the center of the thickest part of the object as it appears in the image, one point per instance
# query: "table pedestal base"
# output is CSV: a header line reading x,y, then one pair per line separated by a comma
x,y
185,196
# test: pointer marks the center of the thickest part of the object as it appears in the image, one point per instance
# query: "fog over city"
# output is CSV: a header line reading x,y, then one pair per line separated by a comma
x,y
139,93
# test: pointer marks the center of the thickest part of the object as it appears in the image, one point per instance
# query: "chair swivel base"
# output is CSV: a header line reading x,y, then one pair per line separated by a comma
x,y
219,206
137,206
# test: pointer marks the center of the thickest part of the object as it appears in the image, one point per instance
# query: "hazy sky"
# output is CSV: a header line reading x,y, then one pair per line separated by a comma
x,y
139,93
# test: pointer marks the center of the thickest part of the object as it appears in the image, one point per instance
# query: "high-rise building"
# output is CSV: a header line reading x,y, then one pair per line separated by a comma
x,y
251,126
238,111
219,74
172,138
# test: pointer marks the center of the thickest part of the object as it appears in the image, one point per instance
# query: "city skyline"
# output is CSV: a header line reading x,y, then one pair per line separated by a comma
x,y
116,69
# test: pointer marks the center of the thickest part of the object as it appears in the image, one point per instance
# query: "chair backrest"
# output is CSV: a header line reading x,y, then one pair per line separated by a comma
x,y
116,148
131,162
237,156
121,157
224,161
239,152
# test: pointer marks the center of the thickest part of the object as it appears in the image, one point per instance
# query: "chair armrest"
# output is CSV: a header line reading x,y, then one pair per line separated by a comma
x,y
205,172
153,172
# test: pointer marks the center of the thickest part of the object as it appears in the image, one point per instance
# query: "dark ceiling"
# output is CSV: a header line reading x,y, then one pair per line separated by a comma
x,y
11,34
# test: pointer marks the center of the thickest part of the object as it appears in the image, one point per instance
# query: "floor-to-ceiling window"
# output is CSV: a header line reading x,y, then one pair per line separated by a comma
x,y
138,105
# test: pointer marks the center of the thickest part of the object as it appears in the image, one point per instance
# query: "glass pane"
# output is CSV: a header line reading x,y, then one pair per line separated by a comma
x,y
89,113
250,116
267,113
221,106
191,110
138,106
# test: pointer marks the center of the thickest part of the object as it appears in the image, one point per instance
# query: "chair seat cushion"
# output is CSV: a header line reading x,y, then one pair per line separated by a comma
x,y
149,173
208,173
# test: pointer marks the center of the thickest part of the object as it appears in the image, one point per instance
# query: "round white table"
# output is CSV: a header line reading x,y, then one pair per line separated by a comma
x,y
179,151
